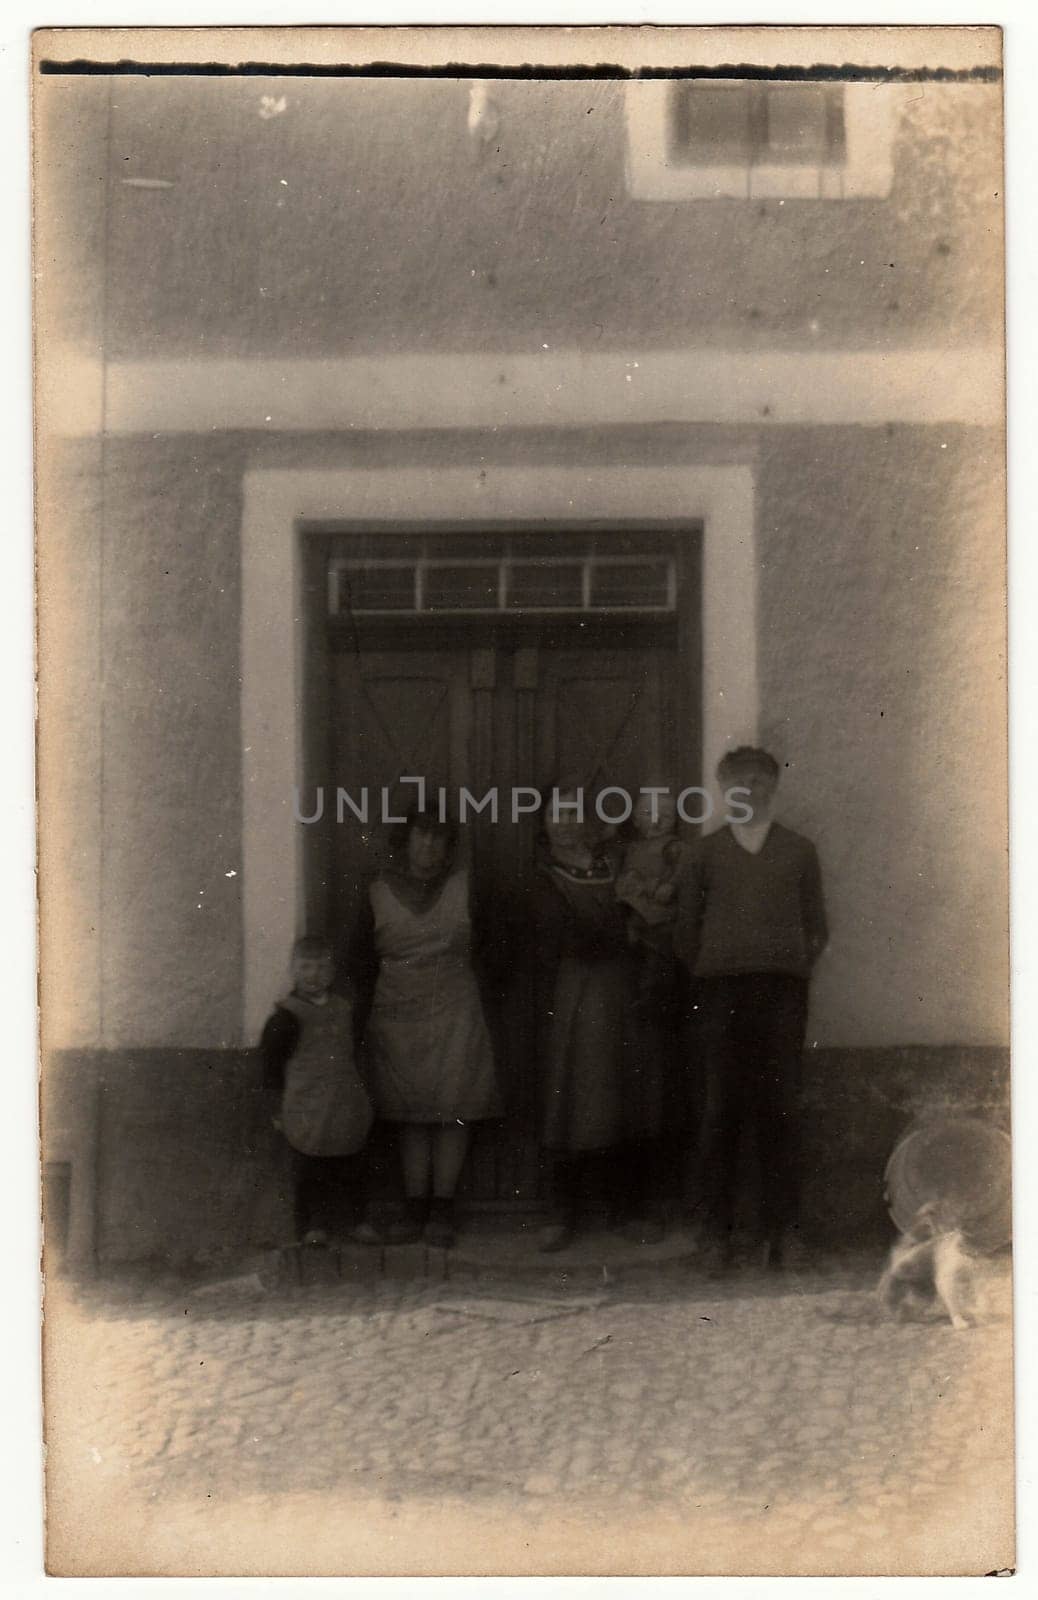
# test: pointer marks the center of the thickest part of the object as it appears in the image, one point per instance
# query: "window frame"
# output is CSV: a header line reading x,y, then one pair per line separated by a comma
x,y
870,116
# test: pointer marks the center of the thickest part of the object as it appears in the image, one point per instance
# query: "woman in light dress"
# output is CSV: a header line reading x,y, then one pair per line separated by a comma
x,y
430,1065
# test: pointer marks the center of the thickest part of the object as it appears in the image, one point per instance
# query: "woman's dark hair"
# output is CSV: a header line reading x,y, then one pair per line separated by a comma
x,y
429,820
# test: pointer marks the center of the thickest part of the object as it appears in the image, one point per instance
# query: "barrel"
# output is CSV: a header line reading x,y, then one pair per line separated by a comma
x,y
963,1163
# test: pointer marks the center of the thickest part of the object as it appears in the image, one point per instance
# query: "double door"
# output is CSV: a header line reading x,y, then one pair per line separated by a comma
x,y
479,712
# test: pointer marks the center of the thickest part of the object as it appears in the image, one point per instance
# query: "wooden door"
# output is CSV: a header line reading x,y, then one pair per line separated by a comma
x,y
604,717
393,714
513,710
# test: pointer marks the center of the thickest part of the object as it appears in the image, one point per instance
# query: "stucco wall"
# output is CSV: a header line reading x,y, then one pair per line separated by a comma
x,y
141,765
69,740
358,220
882,664
882,685
172,763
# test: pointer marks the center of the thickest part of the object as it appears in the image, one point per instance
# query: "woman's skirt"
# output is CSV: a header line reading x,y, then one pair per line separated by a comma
x,y
429,1057
591,1081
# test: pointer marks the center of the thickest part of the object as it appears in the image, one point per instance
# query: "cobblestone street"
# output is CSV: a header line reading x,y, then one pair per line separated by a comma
x,y
666,1424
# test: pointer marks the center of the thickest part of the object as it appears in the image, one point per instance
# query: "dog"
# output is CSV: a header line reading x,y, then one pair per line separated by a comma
x,y
931,1266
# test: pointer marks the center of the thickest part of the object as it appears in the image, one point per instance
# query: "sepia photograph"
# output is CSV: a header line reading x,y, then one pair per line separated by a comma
x,y
523,785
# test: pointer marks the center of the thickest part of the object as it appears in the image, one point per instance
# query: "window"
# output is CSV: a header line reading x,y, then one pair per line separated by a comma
x,y
602,579
712,138
756,124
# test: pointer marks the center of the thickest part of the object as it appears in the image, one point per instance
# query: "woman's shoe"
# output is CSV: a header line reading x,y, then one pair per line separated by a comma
x,y
439,1230
409,1227
555,1236
439,1233
403,1231
365,1233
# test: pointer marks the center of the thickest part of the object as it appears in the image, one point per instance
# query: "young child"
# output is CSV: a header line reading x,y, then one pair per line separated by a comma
x,y
316,1097
648,886
751,926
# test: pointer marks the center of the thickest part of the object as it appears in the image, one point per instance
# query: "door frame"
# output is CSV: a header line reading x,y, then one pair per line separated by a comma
x,y
280,498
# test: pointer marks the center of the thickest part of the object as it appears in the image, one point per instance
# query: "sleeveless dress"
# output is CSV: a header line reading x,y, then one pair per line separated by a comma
x,y
429,1051
325,1110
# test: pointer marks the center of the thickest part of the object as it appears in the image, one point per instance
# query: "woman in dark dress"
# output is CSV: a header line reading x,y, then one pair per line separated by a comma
x,y
585,996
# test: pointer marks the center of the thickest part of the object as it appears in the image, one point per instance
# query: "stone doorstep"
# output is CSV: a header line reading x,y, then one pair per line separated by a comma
x,y
496,1261
592,1264
491,1258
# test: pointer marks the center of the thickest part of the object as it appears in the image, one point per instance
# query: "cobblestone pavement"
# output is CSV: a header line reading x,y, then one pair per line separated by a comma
x,y
676,1424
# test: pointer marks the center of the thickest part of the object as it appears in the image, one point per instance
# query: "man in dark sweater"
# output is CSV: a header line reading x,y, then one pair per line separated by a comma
x,y
751,925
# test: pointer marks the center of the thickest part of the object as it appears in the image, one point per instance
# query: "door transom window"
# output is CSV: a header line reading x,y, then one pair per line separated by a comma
x,y
507,582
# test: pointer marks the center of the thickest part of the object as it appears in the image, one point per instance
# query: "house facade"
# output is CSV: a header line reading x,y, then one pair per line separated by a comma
x,y
329,369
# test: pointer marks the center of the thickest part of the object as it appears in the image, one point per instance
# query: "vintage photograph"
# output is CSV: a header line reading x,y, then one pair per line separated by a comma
x,y
523,801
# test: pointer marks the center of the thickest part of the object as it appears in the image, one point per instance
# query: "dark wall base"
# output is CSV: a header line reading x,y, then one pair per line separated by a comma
x,y
171,1157
858,1103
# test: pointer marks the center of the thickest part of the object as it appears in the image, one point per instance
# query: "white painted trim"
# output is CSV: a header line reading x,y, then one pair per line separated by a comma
x,y
277,501
552,388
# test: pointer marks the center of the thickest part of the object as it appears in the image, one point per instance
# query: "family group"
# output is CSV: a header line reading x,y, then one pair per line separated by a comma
x,y
668,980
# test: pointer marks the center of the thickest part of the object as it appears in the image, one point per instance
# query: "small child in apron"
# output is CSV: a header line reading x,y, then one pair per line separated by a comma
x,y
317,1099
